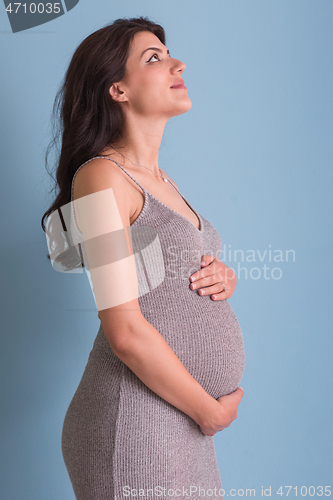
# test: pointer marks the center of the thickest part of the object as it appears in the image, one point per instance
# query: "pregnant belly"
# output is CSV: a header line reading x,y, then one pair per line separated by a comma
x,y
204,334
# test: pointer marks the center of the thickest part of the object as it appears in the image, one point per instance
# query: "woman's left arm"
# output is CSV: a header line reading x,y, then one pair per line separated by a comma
x,y
211,278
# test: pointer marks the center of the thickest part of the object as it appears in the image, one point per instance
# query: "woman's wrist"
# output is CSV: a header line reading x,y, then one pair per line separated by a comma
x,y
208,413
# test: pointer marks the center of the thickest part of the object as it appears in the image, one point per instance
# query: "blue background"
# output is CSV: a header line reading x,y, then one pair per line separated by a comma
x,y
254,156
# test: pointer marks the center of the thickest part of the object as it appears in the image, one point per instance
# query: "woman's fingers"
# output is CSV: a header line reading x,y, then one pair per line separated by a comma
x,y
217,289
229,403
208,280
217,292
215,279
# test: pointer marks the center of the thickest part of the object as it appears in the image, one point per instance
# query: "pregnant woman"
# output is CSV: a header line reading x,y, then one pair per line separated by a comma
x,y
162,376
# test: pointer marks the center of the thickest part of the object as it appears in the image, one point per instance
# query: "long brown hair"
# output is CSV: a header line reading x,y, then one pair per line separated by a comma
x,y
84,114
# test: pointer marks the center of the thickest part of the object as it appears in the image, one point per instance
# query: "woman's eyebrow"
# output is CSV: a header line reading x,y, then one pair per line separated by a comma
x,y
154,48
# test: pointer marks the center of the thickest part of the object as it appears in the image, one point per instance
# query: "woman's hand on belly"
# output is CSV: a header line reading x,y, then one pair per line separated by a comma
x,y
212,276
227,413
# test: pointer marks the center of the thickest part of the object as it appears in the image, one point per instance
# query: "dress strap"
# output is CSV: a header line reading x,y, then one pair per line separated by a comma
x,y
107,158
143,189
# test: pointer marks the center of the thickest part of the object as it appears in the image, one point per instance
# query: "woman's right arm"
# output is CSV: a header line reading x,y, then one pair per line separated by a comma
x,y
131,337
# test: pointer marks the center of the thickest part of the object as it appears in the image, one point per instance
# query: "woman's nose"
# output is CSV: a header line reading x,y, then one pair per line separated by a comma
x,y
178,65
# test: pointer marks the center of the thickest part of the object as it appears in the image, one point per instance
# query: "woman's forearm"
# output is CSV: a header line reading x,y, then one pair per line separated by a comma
x,y
143,349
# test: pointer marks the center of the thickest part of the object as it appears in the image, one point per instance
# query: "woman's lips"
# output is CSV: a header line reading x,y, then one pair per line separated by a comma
x,y
179,84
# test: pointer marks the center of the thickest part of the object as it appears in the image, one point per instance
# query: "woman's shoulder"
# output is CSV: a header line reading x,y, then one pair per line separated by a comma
x,y
96,176
100,174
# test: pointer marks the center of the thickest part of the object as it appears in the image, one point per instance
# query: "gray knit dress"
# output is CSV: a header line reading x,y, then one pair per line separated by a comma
x,y
119,438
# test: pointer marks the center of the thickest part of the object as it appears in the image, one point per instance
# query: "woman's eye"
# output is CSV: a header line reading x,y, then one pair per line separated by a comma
x,y
152,57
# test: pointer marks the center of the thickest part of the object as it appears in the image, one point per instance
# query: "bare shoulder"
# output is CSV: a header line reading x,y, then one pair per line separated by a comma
x,y
99,174
96,175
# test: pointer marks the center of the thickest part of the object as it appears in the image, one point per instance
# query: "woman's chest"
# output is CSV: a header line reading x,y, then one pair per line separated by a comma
x,y
167,195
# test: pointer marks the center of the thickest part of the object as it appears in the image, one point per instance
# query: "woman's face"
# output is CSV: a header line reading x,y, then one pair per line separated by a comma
x,y
150,74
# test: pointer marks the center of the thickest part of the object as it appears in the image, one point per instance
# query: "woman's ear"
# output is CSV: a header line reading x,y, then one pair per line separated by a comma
x,y
116,93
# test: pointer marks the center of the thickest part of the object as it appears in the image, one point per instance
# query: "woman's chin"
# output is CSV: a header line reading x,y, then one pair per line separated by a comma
x,y
183,108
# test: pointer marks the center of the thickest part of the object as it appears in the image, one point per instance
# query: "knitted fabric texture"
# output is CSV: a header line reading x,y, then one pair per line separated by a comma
x,y
121,439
